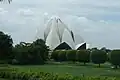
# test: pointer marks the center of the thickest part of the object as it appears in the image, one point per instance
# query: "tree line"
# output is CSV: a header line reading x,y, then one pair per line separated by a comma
x,y
38,53
22,53
95,56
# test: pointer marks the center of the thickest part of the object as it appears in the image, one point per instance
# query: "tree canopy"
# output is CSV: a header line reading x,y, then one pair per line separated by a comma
x,y
31,53
5,45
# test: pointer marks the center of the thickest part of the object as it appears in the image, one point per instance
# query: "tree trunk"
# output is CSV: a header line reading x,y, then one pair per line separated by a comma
x,y
99,65
84,63
116,67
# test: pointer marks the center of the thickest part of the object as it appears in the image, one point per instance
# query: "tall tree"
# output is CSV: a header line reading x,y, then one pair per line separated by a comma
x,y
5,45
31,53
40,48
20,52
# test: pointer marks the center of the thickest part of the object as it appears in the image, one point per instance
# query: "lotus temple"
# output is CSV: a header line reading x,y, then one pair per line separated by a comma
x,y
58,36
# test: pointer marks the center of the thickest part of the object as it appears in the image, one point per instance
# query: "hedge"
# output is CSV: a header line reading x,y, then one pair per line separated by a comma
x,y
14,74
83,56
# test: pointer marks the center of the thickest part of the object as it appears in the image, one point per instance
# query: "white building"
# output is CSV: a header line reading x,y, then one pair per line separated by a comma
x,y
57,32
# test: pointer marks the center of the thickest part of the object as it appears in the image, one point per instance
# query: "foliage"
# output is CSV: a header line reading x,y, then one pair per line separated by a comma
x,y
54,55
31,53
14,74
62,55
83,56
40,49
71,55
115,57
98,57
5,46
21,52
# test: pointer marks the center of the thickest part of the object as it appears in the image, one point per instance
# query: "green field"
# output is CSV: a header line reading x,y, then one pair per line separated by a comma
x,y
76,70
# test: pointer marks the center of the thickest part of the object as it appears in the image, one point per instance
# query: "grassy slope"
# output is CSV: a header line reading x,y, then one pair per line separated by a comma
x,y
72,69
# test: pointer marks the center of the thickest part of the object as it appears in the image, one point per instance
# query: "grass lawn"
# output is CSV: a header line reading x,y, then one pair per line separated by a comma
x,y
75,70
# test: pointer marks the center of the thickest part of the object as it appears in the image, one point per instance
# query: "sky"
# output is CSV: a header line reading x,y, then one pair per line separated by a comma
x,y
97,21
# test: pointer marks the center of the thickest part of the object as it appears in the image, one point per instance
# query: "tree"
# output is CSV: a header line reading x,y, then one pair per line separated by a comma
x,y
21,52
5,45
62,55
71,55
39,47
115,58
31,53
83,56
54,55
98,57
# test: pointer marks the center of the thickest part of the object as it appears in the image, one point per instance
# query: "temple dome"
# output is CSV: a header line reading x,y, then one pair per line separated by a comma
x,y
57,33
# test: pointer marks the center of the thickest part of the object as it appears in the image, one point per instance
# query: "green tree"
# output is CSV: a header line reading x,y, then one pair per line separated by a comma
x,y
21,52
83,56
54,55
115,58
62,55
31,53
98,57
108,51
5,46
71,55
40,48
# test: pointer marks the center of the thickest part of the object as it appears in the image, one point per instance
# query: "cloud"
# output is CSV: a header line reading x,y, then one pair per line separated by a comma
x,y
96,32
2,11
25,12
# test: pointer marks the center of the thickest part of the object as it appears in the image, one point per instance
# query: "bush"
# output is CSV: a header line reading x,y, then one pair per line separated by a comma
x,y
83,56
62,56
54,55
115,57
98,57
71,55
14,74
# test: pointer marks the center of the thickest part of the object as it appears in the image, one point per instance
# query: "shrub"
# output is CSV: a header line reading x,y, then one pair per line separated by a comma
x,y
115,57
98,57
62,56
54,55
71,55
18,75
83,56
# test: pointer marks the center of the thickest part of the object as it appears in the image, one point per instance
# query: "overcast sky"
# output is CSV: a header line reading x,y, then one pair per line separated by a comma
x,y
97,21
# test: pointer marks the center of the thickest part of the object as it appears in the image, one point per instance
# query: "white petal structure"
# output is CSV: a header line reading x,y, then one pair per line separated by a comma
x,y
57,32
78,45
